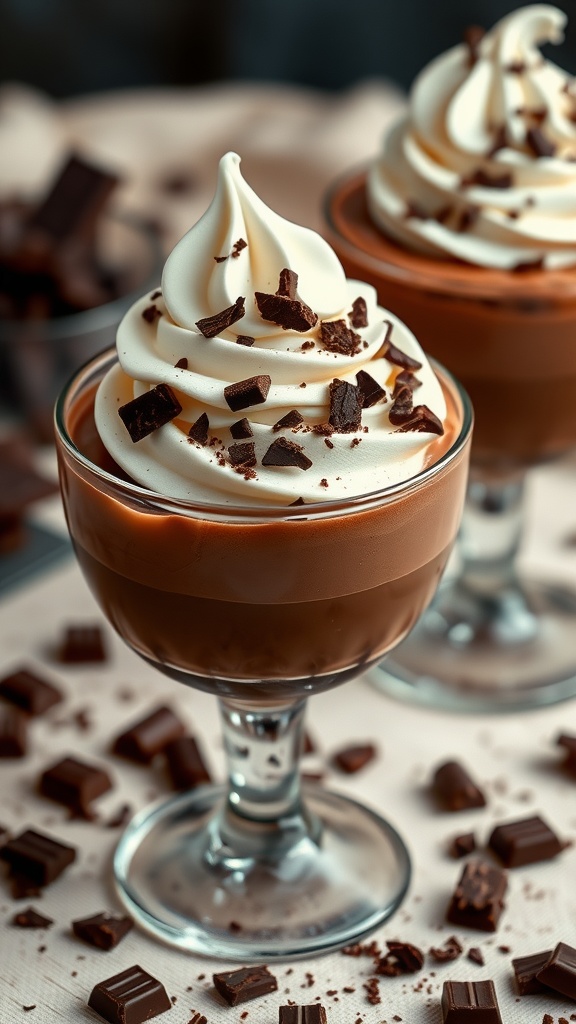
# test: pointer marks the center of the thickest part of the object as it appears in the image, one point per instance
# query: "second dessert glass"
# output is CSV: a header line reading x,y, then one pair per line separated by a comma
x,y
261,607
492,640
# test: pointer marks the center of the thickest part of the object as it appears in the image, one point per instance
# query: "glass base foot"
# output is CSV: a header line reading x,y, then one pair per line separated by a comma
x,y
326,893
506,652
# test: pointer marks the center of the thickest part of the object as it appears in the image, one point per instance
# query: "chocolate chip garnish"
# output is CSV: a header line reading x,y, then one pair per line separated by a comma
x,y
242,454
345,406
369,389
402,409
182,364
283,308
245,339
482,177
359,313
244,393
210,326
237,248
241,429
199,430
423,420
288,283
220,259
286,453
291,419
151,313
539,143
299,501
149,411
395,355
406,379
473,36
336,336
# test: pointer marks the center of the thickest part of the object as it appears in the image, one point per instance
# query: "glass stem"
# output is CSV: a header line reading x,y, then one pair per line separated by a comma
x,y
263,815
491,533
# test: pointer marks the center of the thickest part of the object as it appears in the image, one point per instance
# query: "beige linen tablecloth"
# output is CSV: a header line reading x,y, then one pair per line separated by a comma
x,y
292,142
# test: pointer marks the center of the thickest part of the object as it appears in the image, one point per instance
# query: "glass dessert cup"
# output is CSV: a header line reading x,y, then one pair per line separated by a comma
x,y
261,607
491,640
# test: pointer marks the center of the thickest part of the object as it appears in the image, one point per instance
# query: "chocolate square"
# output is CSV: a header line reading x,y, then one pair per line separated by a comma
x,y
131,997
478,899
29,691
148,412
37,857
149,736
82,644
75,784
527,841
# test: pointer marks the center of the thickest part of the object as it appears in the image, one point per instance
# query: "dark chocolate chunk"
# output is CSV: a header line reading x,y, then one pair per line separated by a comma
x,y
13,731
299,501
244,983
478,899
462,845
37,857
409,958
403,406
185,763
423,421
359,313
23,888
451,950
182,364
454,788
539,143
210,326
291,419
405,379
149,737
352,758
245,339
336,336
237,247
241,429
199,430
283,452
487,180
526,266
130,997
102,930
369,389
30,918
75,201
242,454
559,972
245,393
149,411
151,314
525,970
82,644
314,1013
395,355
470,1001
288,283
568,742
475,956
74,784
524,842
290,314
515,67
31,693
345,406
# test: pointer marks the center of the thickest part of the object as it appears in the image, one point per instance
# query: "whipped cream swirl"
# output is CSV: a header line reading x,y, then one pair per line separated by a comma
x,y
240,248
483,166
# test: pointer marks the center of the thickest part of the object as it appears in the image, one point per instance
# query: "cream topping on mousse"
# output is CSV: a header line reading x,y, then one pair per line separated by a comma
x,y
483,166
259,375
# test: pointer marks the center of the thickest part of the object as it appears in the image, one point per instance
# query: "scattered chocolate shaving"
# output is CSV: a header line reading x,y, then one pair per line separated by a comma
x,y
121,817
148,412
487,180
237,248
81,645
291,419
30,918
402,408
199,430
370,389
328,443
451,950
401,958
475,955
287,312
288,283
359,313
345,406
539,143
424,421
210,326
324,482
104,931
323,429
182,364
242,454
406,378
246,340
283,452
241,429
473,36
245,393
336,336
395,355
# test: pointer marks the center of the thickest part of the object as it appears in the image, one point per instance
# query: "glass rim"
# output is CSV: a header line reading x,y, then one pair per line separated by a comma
x,y
212,510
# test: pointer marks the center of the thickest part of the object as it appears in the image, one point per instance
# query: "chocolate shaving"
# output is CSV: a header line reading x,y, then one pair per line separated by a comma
x,y
288,283
369,389
242,454
451,950
283,452
323,429
182,364
148,412
151,313
395,355
237,248
475,955
291,419
482,177
241,429
336,336
245,393
199,430
423,420
345,406
406,379
220,259
210,326
245,339
539,143
359,313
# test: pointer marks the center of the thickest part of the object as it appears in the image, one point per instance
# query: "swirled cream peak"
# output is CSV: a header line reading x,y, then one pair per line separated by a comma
x,y
483,166
260,375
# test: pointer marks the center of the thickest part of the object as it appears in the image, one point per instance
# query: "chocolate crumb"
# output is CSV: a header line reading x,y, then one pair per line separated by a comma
x,y
30,918
242,454
467,217
414,210
182,364
359,313
324,482
354,757
283,452
156,294
336,336
328,442
151,314
528,265
299,501
291,419
210,326
462,845
199,430
450,951
241,429
246,340
323,429
487,180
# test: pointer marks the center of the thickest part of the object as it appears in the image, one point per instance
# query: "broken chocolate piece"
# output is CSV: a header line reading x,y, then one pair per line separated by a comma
x,y
182,364
559,972
245,339
242,454
151,314
359,313
395,355
37,857
539,143
336,336
470,1001
475,956
478,899
241,429
74,784
403,406
244,983
185,763
405,379
82,644
245,393
290,314
288,283
525,970
291,419
454,788
369,389
13,731
30,918
283,452
149,737
527,841
31,693
314,1013
74,202
409,958
352,758
422,420
199,430
130,997
149,411
487,180
102,930
345,406
210,326
237,248
462,845
451,950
